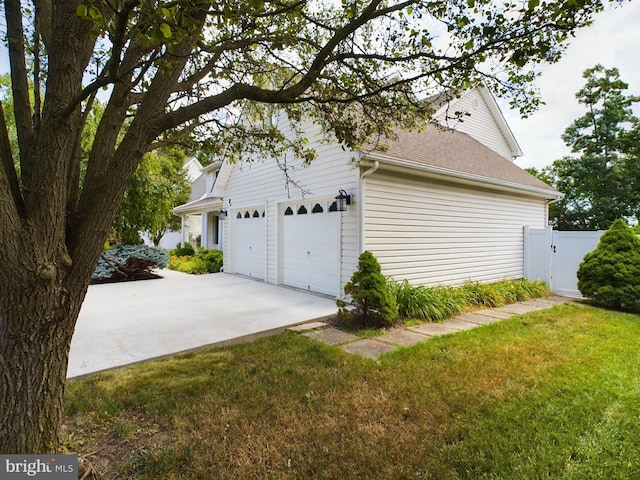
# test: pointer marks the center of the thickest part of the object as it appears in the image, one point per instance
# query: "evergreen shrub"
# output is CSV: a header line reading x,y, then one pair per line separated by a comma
x,y
610,274
372,302
129,262
206,261
182,250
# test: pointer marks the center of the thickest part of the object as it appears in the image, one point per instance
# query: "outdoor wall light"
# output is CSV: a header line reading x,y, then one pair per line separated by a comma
x,y
343,199
222,213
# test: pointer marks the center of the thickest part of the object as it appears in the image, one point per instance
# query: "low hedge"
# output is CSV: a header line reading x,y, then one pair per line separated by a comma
x,y
205,261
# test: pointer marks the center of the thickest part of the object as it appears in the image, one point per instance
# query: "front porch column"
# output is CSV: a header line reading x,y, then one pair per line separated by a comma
x,y
204,229
183,229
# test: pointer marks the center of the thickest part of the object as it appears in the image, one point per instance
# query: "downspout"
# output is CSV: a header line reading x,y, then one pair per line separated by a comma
x,y
546,213
374,167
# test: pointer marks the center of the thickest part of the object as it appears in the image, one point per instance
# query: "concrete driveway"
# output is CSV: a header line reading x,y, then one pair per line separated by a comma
x,y
123,323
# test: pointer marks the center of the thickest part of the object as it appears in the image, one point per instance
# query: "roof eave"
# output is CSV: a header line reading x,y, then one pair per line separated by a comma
x,y
463,177
492,103
197,206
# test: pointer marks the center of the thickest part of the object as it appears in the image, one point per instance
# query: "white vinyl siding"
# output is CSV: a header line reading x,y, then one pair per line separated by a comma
x,y
434,233
479,123
264,182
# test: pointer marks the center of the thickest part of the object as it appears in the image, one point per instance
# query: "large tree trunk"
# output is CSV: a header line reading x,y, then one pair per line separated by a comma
x,y
39,307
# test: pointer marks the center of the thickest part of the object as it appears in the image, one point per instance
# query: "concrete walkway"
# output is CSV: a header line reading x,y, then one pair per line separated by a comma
x,y
404,337
123,323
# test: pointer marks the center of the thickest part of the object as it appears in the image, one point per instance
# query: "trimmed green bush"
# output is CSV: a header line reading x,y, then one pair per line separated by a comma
x,y
206,261
372,303
213,258
610,275
183,250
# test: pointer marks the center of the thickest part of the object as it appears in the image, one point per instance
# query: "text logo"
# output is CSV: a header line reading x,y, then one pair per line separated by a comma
x,y
50,467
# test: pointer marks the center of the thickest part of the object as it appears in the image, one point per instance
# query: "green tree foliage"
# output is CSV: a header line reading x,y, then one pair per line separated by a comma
x,y
373,301
215,73
157,186
602,183
610,274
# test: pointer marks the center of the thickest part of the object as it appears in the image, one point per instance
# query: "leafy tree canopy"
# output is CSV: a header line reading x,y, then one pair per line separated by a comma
x,y
157,186
602,183
212,73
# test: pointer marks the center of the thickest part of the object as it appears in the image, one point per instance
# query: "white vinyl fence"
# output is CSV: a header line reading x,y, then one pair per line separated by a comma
x,y
555,256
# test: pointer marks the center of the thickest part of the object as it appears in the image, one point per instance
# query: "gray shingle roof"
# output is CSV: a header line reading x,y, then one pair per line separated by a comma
x,y
457,152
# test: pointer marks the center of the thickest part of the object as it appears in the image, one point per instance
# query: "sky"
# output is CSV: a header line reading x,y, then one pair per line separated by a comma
x,y
613,41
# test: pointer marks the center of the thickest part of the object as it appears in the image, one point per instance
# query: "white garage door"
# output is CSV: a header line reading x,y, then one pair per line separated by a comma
x,y
310,247
249,252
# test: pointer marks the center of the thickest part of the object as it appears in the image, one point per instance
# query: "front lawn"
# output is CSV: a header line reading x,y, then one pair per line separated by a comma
x,y
553,394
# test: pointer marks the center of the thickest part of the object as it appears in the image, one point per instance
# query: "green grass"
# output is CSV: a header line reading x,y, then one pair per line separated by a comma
x,y
551,395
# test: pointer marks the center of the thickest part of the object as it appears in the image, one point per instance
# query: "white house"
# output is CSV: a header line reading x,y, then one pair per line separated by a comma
x,y
437,207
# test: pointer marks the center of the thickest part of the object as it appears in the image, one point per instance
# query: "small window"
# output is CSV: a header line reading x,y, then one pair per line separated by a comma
x,y
247,215
288,211
333,207
317,208
302,210
256,214
239,215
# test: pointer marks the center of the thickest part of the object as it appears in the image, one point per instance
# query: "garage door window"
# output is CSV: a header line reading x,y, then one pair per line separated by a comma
x,y
302,210
317,208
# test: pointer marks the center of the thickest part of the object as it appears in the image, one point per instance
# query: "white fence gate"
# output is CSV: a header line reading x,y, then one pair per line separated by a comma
x,y
555,256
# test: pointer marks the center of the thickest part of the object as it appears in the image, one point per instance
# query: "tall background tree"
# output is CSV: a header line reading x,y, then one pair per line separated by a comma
x,y
157,186
602,182
212,70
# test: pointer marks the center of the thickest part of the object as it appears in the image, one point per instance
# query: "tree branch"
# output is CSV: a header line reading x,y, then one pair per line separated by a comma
x,y
8,168
286,95
20,87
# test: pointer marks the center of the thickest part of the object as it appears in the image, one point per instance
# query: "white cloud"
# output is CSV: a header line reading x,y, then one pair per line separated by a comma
x,y
612,41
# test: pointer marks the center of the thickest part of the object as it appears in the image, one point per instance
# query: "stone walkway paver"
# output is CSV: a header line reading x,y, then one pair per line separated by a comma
x,y
368,348
402,337
406,336
332,336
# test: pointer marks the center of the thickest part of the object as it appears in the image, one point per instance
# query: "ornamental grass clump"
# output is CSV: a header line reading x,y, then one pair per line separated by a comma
x,y
372,302
610,275
438,303
430,304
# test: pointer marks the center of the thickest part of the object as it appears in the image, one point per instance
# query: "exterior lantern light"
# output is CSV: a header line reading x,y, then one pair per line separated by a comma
x,y
222,213
343,199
